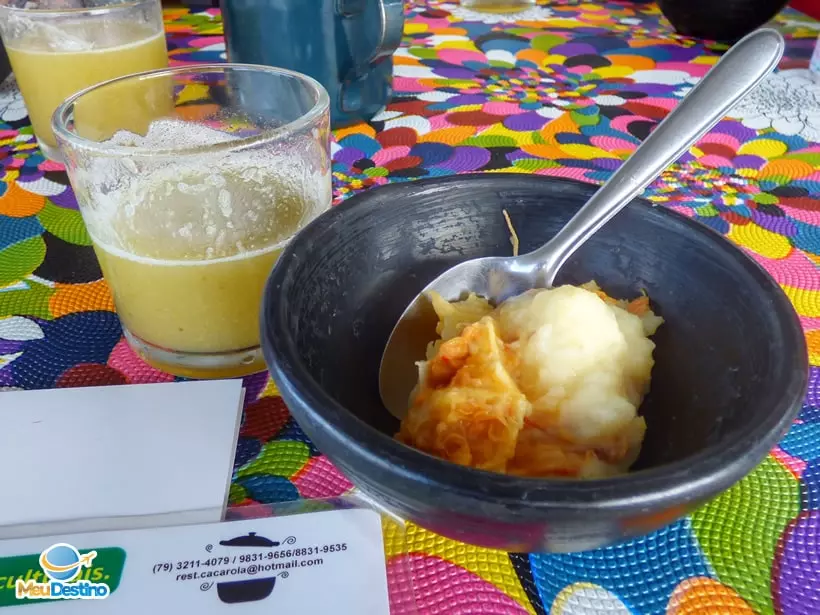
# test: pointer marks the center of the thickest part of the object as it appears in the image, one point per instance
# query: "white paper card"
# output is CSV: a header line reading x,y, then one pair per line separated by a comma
x,y
325,562
118,457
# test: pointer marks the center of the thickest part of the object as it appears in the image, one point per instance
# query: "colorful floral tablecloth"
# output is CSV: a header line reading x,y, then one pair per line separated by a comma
x,y
566,89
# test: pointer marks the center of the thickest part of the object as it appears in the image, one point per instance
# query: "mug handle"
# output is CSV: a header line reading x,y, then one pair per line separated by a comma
x,y
392,29
391,22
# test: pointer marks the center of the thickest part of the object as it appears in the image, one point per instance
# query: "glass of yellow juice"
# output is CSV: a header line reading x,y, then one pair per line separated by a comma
x,y
190,187
58,47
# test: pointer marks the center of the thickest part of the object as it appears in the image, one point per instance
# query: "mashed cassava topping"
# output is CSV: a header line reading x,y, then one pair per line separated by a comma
x,y
546,384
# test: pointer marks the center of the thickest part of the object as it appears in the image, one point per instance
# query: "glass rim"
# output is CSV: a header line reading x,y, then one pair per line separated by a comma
x,y
60,116
77,11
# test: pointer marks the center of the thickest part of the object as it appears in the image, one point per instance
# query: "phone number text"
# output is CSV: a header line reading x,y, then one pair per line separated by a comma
x,y
247,558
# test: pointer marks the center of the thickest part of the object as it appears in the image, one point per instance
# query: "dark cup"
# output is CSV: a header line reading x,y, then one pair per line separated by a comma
x,y
346,45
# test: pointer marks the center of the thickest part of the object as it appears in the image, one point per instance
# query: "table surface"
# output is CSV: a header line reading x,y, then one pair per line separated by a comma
x,y
566,90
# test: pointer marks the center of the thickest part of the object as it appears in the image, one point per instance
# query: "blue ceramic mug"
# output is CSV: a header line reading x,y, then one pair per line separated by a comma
x,y
346,45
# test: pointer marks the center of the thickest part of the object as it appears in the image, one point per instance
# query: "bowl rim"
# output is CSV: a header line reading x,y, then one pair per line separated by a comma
x,y
689,480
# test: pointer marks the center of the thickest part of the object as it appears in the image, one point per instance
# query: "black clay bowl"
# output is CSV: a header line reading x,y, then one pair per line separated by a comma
x,y
730,374
726,20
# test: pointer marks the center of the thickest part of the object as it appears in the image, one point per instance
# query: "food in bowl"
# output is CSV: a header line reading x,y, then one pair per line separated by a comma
x,y
546,384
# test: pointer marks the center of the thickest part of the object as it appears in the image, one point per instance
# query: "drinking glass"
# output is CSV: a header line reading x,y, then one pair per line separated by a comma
x,y
58,47
189,193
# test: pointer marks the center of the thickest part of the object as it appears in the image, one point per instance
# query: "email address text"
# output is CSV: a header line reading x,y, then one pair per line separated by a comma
x,y
250,570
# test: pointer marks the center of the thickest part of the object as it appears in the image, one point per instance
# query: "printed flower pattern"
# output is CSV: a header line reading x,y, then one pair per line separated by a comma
x,y
12,107
565,90
787,102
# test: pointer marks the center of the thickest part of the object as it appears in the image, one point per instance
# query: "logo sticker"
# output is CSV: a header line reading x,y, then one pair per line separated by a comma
x,y
60,572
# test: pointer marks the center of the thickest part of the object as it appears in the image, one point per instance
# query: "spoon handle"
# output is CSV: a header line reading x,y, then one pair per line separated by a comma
x,y
740,69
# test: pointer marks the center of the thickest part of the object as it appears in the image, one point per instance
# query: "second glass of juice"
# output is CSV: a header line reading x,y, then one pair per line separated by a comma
x,y
58,47
189,191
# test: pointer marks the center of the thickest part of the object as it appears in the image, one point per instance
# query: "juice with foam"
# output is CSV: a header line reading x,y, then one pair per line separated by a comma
x,y
51,66
195,250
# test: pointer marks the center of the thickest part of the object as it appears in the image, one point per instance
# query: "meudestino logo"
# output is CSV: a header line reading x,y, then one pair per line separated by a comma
x,y
62,564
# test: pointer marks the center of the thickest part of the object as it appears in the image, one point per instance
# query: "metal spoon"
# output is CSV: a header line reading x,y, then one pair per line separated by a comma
x,y
740,69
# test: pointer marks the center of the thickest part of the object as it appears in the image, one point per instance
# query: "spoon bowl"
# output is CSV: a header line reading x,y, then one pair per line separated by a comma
x,y
491,276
